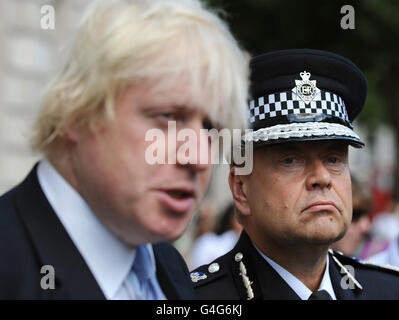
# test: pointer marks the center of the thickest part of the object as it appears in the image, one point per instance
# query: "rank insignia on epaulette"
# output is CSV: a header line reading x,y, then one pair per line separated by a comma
x,y
196,276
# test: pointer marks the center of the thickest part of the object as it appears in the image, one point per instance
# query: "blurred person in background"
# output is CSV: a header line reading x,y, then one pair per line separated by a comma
x,y
94,211
389,255
383,231
205,220
217,241
360,225
229,228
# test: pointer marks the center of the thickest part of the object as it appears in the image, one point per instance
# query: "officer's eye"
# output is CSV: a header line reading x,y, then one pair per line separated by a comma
x,y
292,161
334,160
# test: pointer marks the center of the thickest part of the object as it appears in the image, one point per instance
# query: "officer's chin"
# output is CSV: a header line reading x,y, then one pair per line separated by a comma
x,y
340,236
326,240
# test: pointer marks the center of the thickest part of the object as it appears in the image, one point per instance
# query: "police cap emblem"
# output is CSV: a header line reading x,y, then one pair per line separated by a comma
x,y
306,89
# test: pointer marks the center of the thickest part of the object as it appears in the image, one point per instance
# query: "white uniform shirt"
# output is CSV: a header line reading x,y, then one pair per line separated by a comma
x,y
297,285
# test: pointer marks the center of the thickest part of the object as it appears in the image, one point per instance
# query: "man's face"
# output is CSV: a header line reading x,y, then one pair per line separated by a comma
x,y
299,193
142,202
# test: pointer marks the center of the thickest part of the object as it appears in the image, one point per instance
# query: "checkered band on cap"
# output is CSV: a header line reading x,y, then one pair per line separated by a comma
x,y
285,103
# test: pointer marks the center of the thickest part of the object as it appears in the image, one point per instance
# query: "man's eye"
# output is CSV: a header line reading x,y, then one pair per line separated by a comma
x,y
208,125
170,116
167,116
334,160
289,160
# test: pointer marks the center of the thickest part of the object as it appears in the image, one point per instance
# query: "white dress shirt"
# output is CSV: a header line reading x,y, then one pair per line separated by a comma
x,y
297,285
109,260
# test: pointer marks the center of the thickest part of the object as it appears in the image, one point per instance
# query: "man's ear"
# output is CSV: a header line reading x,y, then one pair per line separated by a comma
x,y
72,132
238,187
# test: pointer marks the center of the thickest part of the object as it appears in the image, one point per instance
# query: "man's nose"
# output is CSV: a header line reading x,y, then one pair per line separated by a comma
x,y
318,175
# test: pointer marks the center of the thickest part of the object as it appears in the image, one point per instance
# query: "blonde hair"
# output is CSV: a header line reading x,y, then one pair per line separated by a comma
x,y
124,42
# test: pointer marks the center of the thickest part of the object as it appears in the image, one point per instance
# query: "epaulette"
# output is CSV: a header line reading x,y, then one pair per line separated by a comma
x,y
364,264
206,273
218,269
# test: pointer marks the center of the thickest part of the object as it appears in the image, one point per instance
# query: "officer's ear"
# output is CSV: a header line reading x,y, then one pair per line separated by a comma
x,y
238,187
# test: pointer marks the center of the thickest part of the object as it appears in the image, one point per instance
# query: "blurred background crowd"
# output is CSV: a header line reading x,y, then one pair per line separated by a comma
x,y
29,56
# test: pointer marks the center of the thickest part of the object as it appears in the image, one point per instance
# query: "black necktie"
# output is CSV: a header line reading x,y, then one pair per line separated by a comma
x,y
320,295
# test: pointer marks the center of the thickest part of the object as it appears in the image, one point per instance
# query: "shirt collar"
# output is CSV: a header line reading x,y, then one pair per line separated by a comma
x,y
297,285
108,259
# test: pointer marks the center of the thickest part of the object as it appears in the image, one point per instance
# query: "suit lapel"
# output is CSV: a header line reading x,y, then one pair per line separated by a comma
x,y
53,245
175,283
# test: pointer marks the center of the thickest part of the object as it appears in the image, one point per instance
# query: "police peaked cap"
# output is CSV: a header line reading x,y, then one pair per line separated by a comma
x,y
303,94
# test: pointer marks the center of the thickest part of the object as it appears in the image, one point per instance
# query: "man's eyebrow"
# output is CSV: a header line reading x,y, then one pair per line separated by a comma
x,y
288,148
174,107
336,146
181,107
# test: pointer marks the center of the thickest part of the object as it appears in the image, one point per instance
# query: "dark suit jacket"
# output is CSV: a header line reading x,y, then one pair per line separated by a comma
x,y
227,282
31,236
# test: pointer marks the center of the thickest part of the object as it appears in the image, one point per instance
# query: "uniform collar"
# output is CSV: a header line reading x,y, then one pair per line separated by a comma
x,y
263,280
108,259
298,286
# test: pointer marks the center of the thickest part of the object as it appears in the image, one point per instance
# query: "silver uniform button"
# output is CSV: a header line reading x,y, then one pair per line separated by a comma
x,y
238,257
214,267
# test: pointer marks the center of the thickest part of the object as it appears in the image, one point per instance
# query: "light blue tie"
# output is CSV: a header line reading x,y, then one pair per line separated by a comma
x,y
144,271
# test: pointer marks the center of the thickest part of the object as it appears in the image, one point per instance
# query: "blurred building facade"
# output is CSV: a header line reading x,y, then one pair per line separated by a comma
x,y
29,55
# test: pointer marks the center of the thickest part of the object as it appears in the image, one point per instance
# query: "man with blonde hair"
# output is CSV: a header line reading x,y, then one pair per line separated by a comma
x,y
93,219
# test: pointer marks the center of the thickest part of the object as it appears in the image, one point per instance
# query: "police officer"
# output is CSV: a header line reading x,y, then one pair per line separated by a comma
x,y
297,200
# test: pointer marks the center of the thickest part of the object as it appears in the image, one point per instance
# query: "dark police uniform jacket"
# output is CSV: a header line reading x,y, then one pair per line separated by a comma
x,y
32,236
244,274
